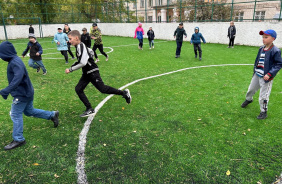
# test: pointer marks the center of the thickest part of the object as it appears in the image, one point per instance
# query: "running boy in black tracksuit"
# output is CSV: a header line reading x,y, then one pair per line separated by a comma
x,y
90,73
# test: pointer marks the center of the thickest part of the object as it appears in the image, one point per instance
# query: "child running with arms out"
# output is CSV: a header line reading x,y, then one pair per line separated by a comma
x,y
267,64
90,73
36,51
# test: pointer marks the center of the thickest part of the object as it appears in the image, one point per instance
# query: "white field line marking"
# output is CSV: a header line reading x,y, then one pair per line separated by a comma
x,y
137,44
80,160
56,53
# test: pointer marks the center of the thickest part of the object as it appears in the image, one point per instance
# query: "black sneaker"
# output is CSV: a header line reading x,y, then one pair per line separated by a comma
x,y
200,59
55,119
195,56
38,70
88,112
176,56
262,115
127,96
14,144
247,102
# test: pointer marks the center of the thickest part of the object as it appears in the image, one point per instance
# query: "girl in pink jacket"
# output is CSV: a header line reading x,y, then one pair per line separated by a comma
x,y
139,32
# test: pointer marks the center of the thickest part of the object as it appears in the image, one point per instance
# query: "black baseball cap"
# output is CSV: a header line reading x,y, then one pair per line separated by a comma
x,y
181,23
94,24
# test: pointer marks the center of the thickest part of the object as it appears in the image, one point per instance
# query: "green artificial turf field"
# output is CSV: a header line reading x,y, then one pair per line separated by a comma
x,y
183,127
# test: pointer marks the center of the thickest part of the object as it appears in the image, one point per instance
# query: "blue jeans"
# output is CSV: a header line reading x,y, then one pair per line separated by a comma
x,y
17,110
140,42
178,49
35,64
151,43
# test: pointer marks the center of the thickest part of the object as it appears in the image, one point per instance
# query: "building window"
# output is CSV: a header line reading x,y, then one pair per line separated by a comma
x,y
142,4
150,3
159,18
159,2
239,17
150,19
260,15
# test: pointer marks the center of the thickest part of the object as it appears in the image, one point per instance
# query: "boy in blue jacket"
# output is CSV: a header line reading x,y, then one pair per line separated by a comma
x,y
22,91
196,41
268,62
36,51
61,39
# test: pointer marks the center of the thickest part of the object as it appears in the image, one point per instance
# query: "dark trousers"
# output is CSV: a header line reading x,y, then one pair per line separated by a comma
x,y
231,41
197,46
69,50
140,43
178,48
97,81
101,49
65,54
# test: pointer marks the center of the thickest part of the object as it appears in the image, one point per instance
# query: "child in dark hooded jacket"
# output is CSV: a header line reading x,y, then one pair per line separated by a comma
x,y
21,89
196,41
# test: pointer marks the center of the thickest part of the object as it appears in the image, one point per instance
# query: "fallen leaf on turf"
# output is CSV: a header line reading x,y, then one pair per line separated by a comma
x,y
199,119
228,173
244,133
56,176
105,144
134,131
100,120
33,146
259,182
122,108
36,164
227,102
249,130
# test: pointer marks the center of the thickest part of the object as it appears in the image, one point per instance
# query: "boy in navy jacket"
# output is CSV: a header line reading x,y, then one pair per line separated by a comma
x,y
36,51
196,41
268,62
22,91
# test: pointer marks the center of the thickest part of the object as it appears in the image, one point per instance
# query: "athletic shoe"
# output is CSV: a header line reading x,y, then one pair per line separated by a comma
x,y
262,115
127,96
150,48
38,70
55,119
73,58
107,58
67,62
200,59
14,144
153,47
139,47
245,103
232,47
195,56
44,73
88,112
228,47
176,56
97,60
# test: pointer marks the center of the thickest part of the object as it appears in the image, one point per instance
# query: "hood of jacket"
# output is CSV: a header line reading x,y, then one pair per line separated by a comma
x,y
7,51
197,28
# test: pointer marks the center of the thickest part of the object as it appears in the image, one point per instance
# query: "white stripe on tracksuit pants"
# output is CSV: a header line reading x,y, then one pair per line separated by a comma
x,y
265,89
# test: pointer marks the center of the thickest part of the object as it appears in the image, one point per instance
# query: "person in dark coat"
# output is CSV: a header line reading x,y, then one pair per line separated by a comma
x,y
85,38
31,30
178,34
21,89
151,37
231,34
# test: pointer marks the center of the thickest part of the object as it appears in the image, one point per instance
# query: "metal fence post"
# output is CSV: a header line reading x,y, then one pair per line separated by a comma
x,y
4,26
231,10
212,10
136,10
254,10
180,11
195,19
280,11
146,11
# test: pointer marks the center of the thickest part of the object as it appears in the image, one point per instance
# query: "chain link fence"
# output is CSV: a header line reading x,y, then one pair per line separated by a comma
x,y
142,11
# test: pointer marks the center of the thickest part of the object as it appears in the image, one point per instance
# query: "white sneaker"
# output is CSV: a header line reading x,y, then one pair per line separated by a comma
x,y
107,58
150,48
97,60
153,47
